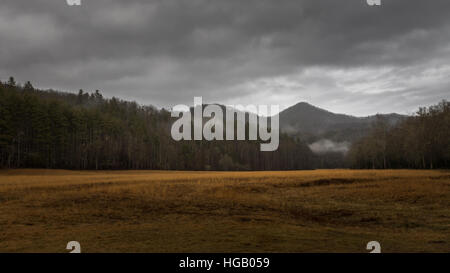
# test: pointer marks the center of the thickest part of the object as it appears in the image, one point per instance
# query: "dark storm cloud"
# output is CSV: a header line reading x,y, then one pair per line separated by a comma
x,y
165,52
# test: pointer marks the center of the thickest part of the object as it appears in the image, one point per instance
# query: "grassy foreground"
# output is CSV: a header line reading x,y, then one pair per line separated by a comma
x,y
160,211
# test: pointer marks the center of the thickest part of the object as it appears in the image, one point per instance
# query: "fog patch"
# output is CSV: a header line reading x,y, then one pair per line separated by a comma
x,y
326,146
289,129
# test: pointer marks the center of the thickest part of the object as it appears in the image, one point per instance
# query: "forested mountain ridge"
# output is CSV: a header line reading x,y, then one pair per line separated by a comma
x,y
314,123
51,129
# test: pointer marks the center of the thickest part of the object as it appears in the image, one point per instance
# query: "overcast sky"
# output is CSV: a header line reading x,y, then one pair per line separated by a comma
x,y
344,56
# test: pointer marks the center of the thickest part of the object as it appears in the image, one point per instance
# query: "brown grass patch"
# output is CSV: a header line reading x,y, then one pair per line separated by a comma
x,y
158,211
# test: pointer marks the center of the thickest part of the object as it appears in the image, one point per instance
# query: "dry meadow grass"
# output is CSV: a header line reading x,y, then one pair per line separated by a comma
x,y
160,211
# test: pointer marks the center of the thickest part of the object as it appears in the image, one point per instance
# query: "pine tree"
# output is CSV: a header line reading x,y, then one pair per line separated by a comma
x,y
28,86
11,82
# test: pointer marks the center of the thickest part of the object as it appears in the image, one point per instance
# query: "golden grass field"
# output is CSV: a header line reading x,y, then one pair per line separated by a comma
x,y
164,211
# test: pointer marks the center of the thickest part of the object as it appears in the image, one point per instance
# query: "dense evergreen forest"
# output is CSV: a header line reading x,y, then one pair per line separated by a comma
x,y
51,129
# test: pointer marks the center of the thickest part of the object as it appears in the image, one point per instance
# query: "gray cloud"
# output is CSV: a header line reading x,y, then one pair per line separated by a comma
x,y
343,55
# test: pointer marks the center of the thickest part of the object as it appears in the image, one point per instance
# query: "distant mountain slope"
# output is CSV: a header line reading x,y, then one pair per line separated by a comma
x,y
314,123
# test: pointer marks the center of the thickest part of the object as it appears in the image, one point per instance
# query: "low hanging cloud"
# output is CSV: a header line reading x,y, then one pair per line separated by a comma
x,y
324,146
342,55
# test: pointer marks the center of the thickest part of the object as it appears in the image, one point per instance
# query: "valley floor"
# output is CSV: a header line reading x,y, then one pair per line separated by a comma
x,y
163,211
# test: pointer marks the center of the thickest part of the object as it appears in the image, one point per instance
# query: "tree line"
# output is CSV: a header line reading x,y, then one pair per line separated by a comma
x,y
51,129
421,141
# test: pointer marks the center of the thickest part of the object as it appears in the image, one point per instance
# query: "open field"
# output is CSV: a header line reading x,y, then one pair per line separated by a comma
x,y
159,211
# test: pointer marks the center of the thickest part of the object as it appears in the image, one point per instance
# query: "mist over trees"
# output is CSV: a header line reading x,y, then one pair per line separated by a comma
x,y
50,129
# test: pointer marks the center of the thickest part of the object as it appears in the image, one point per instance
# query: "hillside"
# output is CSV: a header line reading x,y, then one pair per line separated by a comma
x,y
314,123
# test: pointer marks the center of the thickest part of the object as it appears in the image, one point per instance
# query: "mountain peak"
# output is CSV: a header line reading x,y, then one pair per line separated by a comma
x,y
311,120
305,104
305,109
